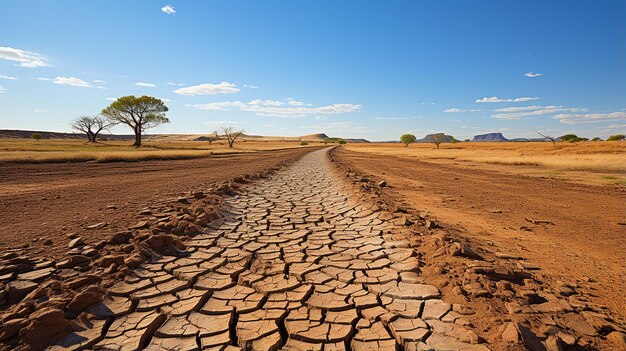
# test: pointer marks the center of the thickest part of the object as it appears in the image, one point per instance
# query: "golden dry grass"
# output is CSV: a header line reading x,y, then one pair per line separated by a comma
x,y
586,156
72,150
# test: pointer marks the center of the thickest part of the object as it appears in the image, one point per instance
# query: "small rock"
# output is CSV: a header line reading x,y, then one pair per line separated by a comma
x,y
76,242
553,343
382,184
618,339
182,199
139,225
48,242
97,225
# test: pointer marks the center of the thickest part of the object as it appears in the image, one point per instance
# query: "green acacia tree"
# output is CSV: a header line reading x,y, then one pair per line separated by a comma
x,y
616,137
139,113
406,139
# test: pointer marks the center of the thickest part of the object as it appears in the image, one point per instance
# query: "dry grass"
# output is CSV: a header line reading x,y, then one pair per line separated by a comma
x,y
586,156
71,150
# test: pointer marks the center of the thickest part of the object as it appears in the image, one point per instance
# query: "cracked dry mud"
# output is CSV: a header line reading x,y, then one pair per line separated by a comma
x,y
297,263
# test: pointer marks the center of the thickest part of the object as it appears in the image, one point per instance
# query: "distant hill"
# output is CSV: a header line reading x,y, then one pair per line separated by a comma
x,y
320,136
8,133
431,137
490,137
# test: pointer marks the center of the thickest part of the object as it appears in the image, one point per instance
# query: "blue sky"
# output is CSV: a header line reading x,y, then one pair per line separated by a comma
x,y
370,69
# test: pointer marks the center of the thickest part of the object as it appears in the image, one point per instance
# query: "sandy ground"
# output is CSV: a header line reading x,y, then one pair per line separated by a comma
x,y
47,201
585,244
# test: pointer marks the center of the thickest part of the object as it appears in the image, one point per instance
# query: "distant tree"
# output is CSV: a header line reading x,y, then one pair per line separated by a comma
x,y
596,139
616,137
552,139
438,139
406,139
231,135
341,142
304,143
568,137
139,113
36,136
466,140
91,126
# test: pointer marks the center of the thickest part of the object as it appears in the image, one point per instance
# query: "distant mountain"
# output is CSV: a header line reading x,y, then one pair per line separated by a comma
x,y
9,133
431,137
314,136
490,137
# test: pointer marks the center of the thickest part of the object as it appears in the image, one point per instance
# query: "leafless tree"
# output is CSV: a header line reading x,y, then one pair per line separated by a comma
x,y
552,139
438,139
91,125
231,135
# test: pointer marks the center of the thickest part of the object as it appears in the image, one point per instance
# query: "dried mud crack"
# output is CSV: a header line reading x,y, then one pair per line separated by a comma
x,y
297,262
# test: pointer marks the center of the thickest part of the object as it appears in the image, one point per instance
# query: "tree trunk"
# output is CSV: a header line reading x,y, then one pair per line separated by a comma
x,y
137,137
230,144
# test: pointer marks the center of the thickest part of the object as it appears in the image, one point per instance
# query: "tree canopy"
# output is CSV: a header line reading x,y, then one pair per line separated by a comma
x,y
406,139
139,113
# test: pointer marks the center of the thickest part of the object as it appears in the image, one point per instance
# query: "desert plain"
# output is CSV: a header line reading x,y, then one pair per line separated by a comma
x,y
306,244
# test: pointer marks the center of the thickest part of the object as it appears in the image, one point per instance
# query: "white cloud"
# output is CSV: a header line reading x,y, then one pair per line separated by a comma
x,y
590,117
2,89
41,78
7,77
250,86
533,75
168,9
277,109
165,99
259,102
529,111
25,58
73,81
293,102
39,111
496,99
104,88
99,81
456,110
146,85
111,99
176,84
208,89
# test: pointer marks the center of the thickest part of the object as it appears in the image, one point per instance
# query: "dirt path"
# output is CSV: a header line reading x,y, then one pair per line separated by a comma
x,y
583,245
41,202
297,263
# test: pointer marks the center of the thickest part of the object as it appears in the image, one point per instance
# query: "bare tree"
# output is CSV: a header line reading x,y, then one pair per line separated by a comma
x,y
91,125
438,139
552,139
231,135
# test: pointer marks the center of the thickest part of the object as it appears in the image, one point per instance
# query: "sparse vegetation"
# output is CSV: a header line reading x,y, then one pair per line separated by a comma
x,y
231,135
597,139
341,142
36,136
572,138
616,137
139,113
304,143
438,139
91,126
407,139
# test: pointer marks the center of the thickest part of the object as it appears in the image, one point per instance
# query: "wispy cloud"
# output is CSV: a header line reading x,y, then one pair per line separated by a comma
x,y
26,59
457,110
590,117
42,78
2,89
39,111
278,108
111,99
168,9
250,86
208,89
7,77
533,75
497,99
146,85
529,111
390,118
73,81
175,84
98,81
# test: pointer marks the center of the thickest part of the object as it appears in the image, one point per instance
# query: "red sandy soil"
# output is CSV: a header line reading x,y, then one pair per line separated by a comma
x,y
48,201
585,245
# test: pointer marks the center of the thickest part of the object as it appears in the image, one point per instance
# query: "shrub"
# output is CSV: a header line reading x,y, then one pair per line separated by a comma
x,y
303,143
615,137
406,139
36,136
341,141
596,139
